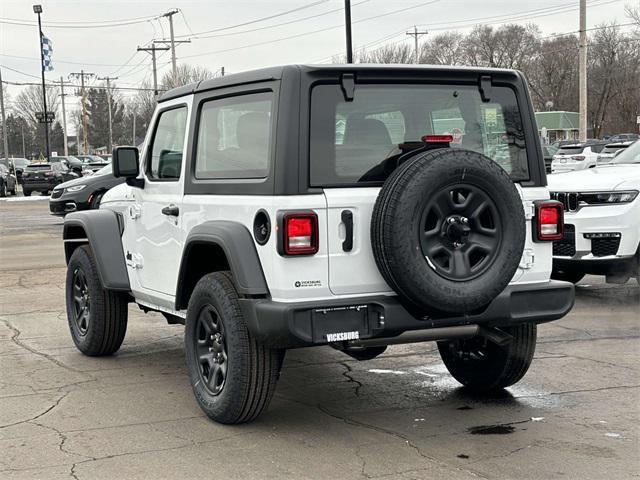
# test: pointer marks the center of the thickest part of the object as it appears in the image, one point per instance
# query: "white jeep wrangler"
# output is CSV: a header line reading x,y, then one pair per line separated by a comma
x,y
350,205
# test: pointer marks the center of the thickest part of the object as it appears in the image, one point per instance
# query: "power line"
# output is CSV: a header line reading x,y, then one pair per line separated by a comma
x,y
386,14
79,24
257,20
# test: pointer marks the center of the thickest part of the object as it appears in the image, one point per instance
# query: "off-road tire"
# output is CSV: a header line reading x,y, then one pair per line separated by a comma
x,y
496,367
567,276
396,223
107,311
252,369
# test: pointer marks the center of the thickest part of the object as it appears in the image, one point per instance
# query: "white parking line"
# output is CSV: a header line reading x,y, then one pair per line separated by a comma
x,y
23,199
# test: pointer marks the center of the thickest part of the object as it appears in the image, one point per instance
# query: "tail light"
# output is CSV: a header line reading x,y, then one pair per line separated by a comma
x,y
299,233
549,221
578,157
437,138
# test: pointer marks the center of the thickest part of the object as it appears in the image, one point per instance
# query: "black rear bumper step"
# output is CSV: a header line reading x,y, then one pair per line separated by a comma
x,y
291,325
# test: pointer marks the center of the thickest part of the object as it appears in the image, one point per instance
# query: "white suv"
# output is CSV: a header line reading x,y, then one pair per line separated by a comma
x,y
354,206
579,156
602,211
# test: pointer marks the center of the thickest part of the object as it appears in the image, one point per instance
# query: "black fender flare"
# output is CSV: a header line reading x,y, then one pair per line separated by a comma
x,y
236,242
102,230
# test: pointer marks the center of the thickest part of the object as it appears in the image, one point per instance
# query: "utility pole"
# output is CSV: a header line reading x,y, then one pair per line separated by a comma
x,y
38,9
415,34
347,26
108,79
222,71
583,70
24,149
85,134
133,142
64,117
153,49
172,41
5,142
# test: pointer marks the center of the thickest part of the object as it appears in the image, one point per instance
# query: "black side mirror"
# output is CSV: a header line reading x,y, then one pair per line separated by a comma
x,y
126,164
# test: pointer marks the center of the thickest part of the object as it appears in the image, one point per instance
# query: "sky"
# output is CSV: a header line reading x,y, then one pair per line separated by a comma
x,y
312,31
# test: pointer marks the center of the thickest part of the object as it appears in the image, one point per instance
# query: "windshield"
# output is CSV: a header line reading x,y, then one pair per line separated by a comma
x,y
355,141
631,154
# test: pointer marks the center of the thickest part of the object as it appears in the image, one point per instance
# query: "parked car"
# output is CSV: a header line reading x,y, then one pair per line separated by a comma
x,y
106,157
70,161
624,137
43,177
82,193
579,156
602,212
610,150
548,151
8,181
16,165
392,236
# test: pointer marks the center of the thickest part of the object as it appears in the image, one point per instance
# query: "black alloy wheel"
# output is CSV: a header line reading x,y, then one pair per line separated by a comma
x,y
211,350
81,302
461,232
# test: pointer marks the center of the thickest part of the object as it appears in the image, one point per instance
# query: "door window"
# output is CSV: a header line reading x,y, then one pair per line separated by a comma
x,y
234,137
167,149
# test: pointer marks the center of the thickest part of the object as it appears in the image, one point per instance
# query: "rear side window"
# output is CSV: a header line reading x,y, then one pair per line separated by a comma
x,y
613,148
167,148
350,140
234,137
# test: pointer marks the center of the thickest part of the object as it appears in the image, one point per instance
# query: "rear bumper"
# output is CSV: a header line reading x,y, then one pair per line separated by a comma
x,y
290,325
599,266
39,186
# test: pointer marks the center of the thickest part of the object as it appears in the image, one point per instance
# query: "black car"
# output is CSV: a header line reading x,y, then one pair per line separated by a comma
x,y
8,181
16,165
43,177
82,193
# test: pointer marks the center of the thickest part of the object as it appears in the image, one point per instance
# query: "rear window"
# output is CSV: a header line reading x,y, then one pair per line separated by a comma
x,y
570,150
613,148
350,138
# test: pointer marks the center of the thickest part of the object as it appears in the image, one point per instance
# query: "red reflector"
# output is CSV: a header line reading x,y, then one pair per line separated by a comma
x,y
578,157
300,234
437,138
550,221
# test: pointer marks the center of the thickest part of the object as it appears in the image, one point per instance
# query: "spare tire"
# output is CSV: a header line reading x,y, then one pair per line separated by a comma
x,y
448,231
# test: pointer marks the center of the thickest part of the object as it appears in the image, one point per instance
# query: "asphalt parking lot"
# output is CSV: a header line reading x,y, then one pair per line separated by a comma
x,y
575,415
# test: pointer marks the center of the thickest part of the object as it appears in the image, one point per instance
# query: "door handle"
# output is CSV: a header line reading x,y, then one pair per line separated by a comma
x,y
171,210
347,219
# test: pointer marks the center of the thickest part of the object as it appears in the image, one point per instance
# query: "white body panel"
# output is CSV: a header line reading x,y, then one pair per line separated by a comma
x,y
623,218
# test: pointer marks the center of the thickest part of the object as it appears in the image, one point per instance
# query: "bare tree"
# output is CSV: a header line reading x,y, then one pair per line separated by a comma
x,y
29,101
185,74
443,49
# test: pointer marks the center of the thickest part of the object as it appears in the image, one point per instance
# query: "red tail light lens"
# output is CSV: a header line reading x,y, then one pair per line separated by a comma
x,y
549,221
300,233
437,138
578,157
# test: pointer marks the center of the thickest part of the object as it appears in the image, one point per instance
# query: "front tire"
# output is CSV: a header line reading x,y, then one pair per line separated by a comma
x,y
97,317
232,375
26,193
484,366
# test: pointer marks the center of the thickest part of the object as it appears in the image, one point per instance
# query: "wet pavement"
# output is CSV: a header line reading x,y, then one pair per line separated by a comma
x,y
576,414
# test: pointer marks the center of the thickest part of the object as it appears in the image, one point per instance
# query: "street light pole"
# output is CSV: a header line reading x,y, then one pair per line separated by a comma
x,y
582,71
347,26
38,10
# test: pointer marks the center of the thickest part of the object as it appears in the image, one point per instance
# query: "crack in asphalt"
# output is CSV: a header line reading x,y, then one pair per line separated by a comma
x,y
14,338
47,410
397,435
554,355
591,339
348,374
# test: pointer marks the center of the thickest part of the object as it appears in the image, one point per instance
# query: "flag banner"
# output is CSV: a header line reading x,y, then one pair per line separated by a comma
x,y
47,51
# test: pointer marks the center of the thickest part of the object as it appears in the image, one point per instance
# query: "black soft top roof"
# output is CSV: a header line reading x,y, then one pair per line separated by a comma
x,y
276,73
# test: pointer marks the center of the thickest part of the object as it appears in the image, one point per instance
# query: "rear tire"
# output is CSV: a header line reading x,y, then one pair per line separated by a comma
x,y
483,366
97,317
26,193
232,375
567,276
